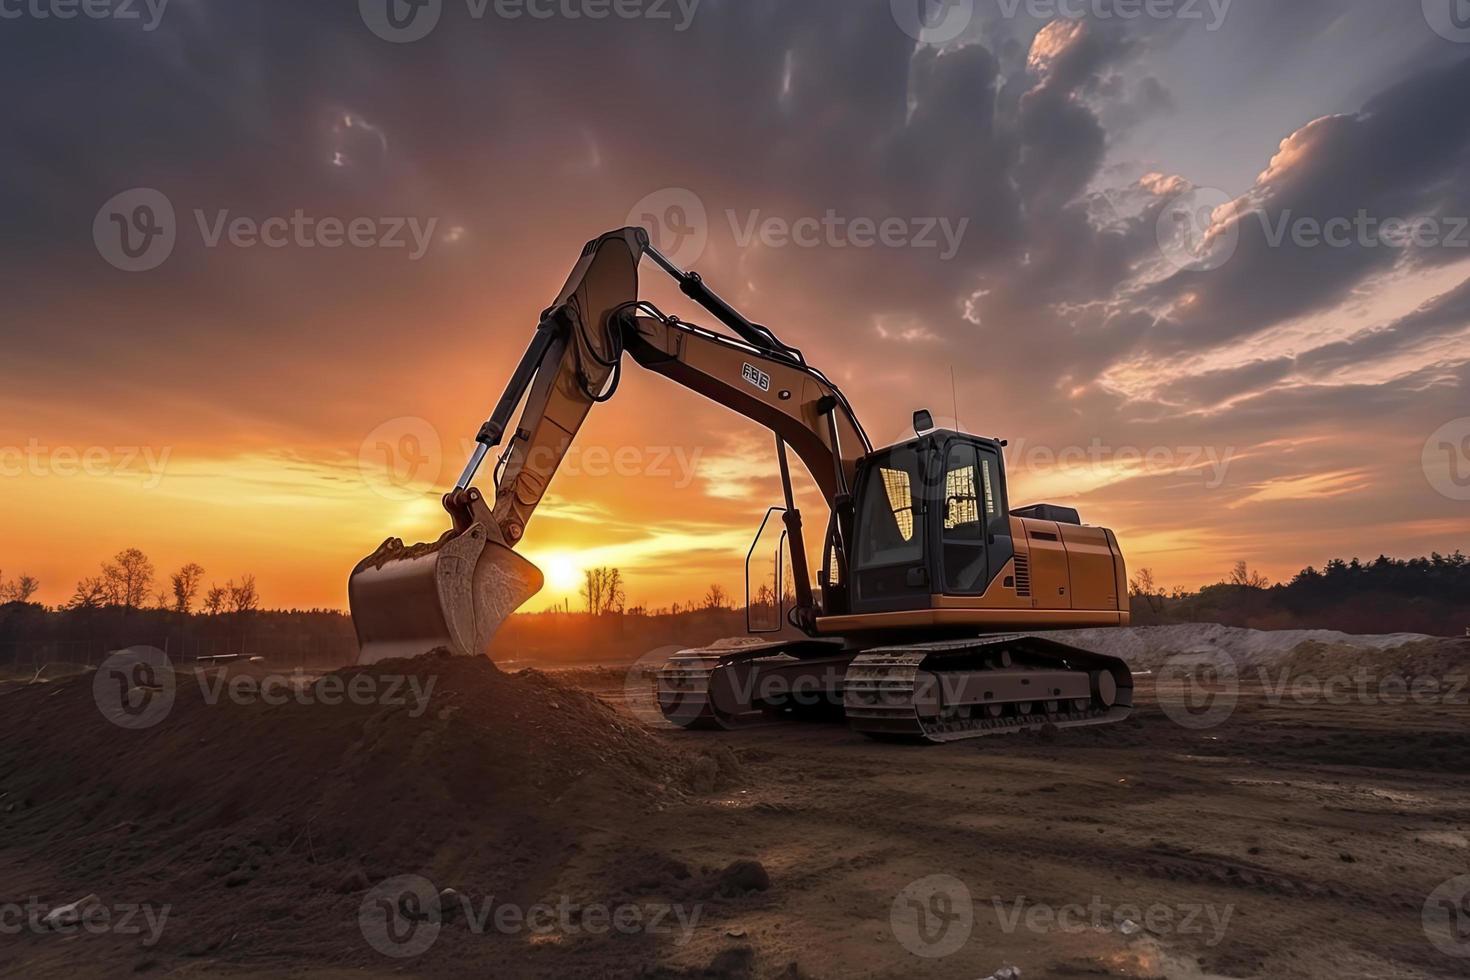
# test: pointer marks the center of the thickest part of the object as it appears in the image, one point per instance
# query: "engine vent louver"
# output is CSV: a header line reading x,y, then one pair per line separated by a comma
x,y
1023,576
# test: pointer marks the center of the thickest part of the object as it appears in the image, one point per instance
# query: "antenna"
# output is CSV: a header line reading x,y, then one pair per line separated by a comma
x,y
954,392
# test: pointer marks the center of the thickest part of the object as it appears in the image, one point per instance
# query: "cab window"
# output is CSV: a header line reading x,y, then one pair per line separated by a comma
x,y
892,520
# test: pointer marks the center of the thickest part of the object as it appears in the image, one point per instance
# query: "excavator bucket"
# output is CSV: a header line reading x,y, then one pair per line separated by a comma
x,y
453,594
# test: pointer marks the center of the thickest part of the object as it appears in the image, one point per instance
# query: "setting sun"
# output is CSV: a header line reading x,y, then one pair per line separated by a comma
x,y
562,571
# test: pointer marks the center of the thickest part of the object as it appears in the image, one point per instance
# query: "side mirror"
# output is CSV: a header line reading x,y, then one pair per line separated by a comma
x,y
923,422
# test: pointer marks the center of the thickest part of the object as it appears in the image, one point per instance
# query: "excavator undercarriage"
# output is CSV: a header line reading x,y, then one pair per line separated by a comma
x,y
917,625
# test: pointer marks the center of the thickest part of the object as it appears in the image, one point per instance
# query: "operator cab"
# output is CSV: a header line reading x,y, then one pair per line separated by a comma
x,y
930,517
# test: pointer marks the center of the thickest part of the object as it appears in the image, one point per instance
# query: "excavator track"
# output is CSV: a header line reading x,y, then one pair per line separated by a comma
x,y
993,685
726,687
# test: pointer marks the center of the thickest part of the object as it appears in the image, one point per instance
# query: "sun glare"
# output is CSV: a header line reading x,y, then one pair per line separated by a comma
x,y
562,572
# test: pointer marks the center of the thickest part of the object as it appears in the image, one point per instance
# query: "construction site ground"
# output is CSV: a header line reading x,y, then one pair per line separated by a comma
x,y
1257,824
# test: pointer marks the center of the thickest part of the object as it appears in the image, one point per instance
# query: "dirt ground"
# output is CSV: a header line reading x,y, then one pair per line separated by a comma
x,y
1279,838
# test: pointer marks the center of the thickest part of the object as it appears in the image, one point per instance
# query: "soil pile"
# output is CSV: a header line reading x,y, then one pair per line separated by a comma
x,y
260,809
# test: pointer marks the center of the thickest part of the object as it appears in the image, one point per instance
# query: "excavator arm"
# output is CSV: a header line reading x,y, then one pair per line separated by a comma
x,y
463,587
576,356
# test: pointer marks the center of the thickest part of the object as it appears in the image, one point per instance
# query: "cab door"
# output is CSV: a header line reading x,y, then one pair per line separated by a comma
x,y
975,535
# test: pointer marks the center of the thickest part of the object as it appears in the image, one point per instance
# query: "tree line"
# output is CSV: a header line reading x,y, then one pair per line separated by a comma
x,y
130,581
1428,594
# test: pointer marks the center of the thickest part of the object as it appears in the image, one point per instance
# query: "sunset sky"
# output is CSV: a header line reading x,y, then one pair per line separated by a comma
x,y
1244,392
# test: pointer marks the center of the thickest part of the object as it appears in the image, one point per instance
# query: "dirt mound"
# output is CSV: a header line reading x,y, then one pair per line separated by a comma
x,y
255,800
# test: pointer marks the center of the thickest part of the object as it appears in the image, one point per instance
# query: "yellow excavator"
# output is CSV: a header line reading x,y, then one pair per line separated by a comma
x,y
919,624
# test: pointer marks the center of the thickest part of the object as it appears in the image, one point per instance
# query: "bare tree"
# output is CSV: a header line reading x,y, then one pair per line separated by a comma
x,y
615,598
24,588
592,590
1144,587
129,579
1143,583
603,591
1243,576
91,593
19,590
243,598
186,586
715,597
215,599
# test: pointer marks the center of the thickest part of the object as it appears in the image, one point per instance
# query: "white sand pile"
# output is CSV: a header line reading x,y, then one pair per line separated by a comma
x,y
1146,647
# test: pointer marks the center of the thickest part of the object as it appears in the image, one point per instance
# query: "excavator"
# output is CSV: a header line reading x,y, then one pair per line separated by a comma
x,y
922,622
